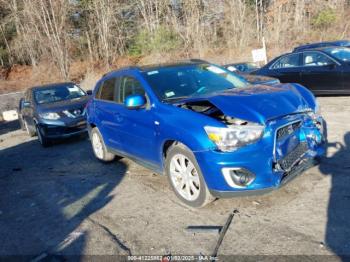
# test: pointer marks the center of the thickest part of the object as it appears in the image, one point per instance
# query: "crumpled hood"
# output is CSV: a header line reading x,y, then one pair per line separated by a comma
x,y
64,105
259,103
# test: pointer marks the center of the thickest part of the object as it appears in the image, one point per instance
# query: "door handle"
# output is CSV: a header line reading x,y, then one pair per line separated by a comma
x,y
118,117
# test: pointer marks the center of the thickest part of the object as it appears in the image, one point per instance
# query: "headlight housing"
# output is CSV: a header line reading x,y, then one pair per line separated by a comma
x,y
50,116
232,137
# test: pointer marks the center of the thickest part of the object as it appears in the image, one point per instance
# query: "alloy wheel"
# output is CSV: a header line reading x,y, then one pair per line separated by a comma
x,y
184,176
97,145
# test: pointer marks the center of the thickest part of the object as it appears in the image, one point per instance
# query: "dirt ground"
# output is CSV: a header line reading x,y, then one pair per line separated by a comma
x,y
61,200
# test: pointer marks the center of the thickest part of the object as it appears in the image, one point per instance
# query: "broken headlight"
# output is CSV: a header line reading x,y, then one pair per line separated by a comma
x,y
231,137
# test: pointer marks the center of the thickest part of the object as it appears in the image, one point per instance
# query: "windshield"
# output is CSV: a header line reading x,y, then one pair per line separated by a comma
x,y
57,93
342,54
177,82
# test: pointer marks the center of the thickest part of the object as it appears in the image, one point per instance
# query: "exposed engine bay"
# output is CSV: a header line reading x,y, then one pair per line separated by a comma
x,y
207,108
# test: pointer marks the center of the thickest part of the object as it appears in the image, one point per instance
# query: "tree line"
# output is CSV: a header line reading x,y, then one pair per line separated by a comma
x,y
103,30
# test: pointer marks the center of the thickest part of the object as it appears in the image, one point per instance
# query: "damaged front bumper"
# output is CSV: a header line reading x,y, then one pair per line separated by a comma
x,y
290,145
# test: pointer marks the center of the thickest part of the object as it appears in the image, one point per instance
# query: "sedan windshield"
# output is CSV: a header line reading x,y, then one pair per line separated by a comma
x,y
57,93
342,54
176,82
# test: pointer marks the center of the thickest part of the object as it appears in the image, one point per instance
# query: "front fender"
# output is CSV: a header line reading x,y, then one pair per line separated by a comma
x,y
184,126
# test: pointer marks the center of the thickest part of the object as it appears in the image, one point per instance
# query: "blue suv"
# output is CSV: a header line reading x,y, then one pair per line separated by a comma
x,y
213,134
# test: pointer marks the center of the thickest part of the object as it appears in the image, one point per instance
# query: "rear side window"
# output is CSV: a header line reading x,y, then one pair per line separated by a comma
x,y
288,61
130,86
107,90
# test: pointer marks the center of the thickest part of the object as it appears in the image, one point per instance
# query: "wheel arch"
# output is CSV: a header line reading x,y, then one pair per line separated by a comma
x,y
168,143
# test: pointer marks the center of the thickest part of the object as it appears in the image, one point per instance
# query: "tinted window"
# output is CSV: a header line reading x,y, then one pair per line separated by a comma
x,y
316,59
287,61
190,80
53,94
130,86
107,90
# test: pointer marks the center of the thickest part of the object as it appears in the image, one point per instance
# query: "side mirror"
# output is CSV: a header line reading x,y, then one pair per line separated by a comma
x,y
135,101
89,92
26,104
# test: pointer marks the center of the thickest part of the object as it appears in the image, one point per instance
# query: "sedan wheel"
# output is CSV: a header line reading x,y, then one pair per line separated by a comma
x,y
184,177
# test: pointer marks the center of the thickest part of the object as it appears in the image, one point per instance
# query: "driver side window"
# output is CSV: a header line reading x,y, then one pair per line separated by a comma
x,y
316,59
130,86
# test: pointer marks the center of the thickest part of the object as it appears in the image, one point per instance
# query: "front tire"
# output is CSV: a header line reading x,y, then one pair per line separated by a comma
x,y
186,178
44,141
99,147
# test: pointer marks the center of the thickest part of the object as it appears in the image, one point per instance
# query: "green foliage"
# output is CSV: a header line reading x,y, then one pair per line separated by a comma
x,y
161,40
324,18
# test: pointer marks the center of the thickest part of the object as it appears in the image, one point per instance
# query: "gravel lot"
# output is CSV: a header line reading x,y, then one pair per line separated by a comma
x,y
60,200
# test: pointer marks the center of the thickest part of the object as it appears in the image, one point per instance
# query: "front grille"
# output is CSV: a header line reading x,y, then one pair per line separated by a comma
x,y
288,129
289,160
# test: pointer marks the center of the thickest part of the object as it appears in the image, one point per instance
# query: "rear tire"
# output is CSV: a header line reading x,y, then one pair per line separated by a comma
x,y
99,147
44,141
185,177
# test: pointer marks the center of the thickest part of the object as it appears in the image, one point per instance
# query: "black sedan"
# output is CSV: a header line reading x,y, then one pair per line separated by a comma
x,y
53,111
325,71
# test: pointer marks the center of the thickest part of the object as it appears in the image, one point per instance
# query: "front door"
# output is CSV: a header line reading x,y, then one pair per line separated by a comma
x,y
138,130
320,73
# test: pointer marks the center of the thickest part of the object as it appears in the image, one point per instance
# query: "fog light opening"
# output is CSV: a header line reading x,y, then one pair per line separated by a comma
x,y
238,177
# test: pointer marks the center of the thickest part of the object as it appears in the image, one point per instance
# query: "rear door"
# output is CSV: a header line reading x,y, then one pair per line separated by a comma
x,y
107,112
287,68
320,73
